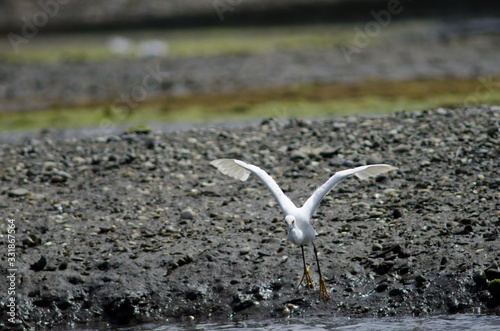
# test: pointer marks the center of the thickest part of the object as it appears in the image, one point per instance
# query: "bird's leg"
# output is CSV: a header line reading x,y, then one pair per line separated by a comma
x,y
307,275
322,287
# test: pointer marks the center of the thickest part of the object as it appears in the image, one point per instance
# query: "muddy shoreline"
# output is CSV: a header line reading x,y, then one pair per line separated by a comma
x,y
137,227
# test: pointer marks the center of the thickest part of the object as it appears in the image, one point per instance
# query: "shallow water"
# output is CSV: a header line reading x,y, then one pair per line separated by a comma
x,y
446,322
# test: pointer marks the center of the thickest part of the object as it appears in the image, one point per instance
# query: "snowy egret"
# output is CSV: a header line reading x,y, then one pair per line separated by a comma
x,y
298,220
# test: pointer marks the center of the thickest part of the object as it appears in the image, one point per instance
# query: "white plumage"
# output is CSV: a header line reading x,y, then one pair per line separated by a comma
x,y
299,228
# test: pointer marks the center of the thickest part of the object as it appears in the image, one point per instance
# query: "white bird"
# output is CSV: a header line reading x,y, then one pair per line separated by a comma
x,y
298,220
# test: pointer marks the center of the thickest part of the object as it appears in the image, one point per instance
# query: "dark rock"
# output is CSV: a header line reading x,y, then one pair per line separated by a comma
x,y
43,302
479,278
32,240
484,296
63,265
492,131
395,292
192,295
403,148
420,279
118,310
242,302
381,287
63,305
103,266
492,274
39,265
461,171
444,260
404,270
57,179
466,230
383,267
150,143
396,213
330,152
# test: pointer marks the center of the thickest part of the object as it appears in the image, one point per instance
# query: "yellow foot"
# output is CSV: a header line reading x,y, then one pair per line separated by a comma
x,y
322,289
308,278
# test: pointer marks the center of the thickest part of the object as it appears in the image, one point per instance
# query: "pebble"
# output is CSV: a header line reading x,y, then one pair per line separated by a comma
x,y
18,192
396,213
297,155
148,165
244,250
395,292
48,166
78,160
479,278
170,229
381,287
492,273
420,279
328,152
442,111
36,196
403,148
484,296
363,205
187,214
444,260
39,265
57,179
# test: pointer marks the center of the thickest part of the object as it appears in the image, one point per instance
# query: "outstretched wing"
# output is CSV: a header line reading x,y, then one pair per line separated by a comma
x,y
362,172
241,170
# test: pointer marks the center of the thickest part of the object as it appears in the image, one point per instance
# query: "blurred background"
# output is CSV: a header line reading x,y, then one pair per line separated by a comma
x,y
87,63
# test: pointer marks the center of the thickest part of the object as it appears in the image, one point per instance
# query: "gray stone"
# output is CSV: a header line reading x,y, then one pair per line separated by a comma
x,y
187,214
297,155
403,148
18,192
244,250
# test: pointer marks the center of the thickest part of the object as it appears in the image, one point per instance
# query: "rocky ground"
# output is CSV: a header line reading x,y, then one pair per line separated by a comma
x,y
138,227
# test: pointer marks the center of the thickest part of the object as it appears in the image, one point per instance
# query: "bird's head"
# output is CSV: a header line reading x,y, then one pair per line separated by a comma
x,y
290,223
